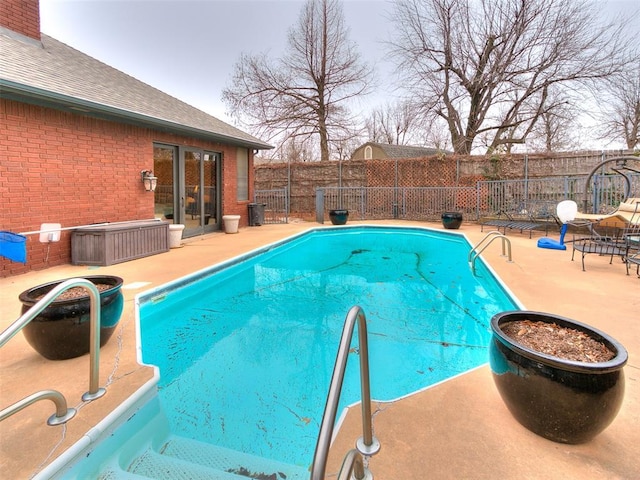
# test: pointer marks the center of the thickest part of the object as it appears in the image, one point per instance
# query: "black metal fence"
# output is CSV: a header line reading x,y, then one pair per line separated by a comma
x,y
377,203
486,198
603,195
276,205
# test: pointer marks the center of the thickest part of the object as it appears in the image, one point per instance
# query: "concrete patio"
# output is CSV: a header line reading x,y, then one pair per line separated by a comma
x,y
457,429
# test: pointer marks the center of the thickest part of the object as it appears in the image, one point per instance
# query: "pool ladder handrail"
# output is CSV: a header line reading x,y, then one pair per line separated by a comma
x,y
484,243
368,444
63,413
353,465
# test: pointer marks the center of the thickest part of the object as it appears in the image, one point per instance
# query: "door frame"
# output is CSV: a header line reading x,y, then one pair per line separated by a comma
x,y
181,198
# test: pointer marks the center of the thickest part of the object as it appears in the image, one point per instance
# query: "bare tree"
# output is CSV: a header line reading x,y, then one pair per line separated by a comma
x,y
555,131
620,105
342,147
486,67
306,93
557,127
394,123
295,151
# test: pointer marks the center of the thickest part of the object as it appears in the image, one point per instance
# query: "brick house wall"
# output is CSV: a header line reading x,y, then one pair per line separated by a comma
x,y
22,15
58,167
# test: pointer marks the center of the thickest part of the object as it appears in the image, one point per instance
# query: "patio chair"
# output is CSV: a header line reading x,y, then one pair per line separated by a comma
x,y
538,215
502,221
632,257
607,242
612,242
627,213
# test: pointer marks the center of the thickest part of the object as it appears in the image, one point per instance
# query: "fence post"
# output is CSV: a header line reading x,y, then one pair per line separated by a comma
x,y
319,205
287,204
478,190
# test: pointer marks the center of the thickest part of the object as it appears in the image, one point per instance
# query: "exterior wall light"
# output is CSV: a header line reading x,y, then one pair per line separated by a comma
x,y
149,181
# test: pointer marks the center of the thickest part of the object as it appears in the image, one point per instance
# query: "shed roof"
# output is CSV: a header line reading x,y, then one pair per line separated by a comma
x,y
403,151
52,74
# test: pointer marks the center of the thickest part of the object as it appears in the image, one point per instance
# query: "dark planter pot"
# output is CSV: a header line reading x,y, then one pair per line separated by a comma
x,y
451,220
62,329
339,217
561,400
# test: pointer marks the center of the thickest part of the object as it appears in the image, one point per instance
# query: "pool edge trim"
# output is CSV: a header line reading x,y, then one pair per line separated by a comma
x,y
92,439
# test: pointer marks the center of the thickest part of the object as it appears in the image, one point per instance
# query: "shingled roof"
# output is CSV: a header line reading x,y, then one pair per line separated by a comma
x,y
52,74
404,151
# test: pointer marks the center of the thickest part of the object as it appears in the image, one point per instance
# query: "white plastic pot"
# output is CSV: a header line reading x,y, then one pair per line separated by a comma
x,y
175,235
231,223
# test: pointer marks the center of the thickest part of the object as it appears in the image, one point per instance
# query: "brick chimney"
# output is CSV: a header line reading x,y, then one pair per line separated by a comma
x,y
21,16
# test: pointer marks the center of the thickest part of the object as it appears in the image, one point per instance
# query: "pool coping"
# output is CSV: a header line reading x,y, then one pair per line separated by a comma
x,y
541,279
91,441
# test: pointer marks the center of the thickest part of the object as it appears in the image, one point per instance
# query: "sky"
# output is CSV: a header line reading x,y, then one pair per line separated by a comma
x,y
188,48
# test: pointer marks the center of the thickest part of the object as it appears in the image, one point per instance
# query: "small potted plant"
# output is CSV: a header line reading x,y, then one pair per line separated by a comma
x,y
559,378
451,220
339,216
62,329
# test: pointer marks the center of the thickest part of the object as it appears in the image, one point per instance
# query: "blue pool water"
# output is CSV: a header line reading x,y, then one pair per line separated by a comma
x,y
246,352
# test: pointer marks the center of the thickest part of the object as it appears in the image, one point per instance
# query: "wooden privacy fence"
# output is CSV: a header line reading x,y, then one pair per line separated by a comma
x,y
378,203
485,199
414,187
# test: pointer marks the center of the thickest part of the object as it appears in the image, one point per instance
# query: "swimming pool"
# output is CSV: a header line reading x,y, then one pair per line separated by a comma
x,y
246,349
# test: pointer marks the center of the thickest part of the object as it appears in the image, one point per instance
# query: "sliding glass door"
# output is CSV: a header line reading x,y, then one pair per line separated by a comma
x,y
188,189
201,174
165,161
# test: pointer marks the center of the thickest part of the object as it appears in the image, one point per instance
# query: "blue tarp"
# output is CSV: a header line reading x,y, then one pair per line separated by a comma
x,y
13,246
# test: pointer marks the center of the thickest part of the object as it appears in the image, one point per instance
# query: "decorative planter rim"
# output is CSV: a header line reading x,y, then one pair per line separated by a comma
x,y
616,363
27,297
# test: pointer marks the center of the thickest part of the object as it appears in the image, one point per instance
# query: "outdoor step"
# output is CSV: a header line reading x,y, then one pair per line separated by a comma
x,y
146,449
227,460
185,459
113,474
154,465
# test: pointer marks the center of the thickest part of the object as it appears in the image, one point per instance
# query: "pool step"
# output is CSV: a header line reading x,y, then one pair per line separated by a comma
x,y
230,460
183,458
157,466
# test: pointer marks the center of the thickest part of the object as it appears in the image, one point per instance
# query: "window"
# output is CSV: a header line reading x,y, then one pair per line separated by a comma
x,y
242,159
368,152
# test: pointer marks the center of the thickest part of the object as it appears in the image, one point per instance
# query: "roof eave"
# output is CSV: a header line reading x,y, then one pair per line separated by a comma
x,y
36,96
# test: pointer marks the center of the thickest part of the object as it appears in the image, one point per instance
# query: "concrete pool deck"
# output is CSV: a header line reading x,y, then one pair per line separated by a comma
x,y
457,429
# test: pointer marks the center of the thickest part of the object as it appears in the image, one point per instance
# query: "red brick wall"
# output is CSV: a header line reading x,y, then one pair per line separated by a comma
x,y
58,167
22,16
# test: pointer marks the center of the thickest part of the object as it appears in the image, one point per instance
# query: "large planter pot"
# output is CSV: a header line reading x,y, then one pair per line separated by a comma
x,y
62,329
339,216
561,400
451,220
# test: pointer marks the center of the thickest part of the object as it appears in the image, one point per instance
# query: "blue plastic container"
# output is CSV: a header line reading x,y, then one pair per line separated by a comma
x,y
13,246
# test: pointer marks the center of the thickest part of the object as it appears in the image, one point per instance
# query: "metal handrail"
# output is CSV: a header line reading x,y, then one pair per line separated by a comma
x,y
94,342
367,445
488,238
352,463
63,413
621,164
